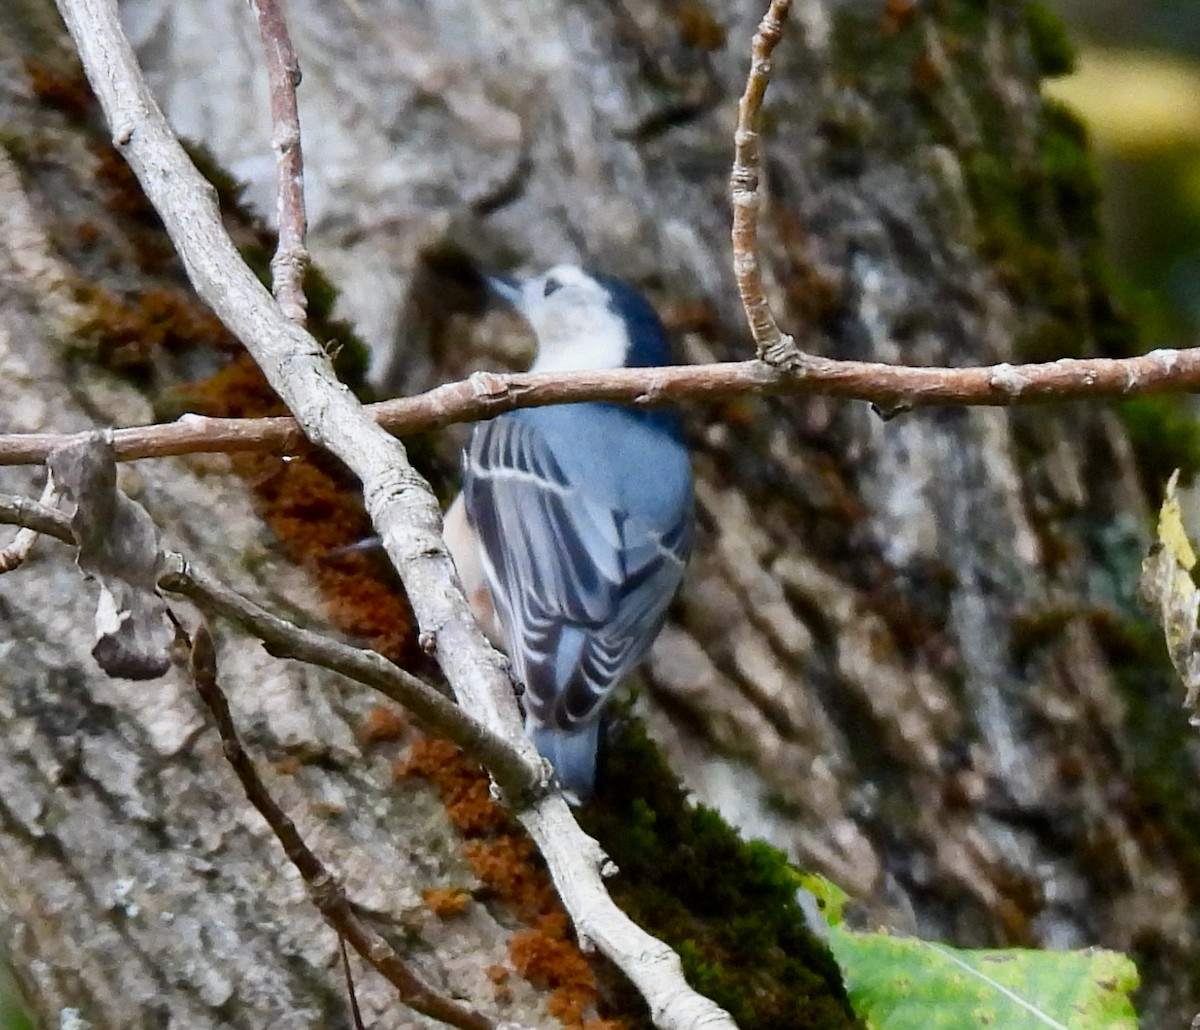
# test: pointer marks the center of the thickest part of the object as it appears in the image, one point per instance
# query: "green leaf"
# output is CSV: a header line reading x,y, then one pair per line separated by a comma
x,y
830,898
902,983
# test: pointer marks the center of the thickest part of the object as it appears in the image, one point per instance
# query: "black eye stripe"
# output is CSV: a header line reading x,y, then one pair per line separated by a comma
x,y
552,284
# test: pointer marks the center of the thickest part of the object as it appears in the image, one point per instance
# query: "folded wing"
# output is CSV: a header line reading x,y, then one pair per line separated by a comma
x,y
580,585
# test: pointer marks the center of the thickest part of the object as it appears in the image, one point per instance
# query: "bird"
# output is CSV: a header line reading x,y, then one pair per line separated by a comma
x,y
574,522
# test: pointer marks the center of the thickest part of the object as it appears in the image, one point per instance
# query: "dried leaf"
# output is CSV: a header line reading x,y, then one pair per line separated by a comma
x,y
1168,587
118,547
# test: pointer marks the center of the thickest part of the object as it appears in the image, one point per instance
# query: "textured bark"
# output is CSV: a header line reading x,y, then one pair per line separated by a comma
x,y
903,652
137,887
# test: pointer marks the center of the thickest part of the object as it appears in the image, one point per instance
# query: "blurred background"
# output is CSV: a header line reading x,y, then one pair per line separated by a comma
x,y
1137,85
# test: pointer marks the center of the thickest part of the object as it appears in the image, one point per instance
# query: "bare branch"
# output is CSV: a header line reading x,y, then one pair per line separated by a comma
x,y
14,555
487,394
576,861
577,865
283,71
35,516
324,890
402,507
774,347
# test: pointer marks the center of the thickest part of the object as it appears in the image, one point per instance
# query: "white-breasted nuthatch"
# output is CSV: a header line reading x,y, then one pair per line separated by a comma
x,y
575,520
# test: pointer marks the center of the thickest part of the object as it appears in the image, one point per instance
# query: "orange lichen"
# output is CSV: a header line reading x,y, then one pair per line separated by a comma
x,y
928,76
123,193
445,902
128,332
507,863
87,233
66,90
461,783
546,960
898,15
382,725
698,27
313,506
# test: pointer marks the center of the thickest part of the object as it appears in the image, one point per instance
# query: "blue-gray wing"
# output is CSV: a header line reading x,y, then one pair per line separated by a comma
x,y
580,585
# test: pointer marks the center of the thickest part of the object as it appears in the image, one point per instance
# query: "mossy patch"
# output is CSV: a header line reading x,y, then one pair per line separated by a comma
x,y
933,82
726,905
1049,40
1165,434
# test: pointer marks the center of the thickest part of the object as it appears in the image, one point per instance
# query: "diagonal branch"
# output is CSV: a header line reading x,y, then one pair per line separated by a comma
x,y
400,503
436,713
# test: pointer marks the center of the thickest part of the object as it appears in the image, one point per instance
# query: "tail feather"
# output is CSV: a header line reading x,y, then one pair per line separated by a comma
x,y
573,755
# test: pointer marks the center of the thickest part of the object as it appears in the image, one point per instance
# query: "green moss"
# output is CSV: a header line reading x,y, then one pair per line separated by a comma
x,y
1036,212
1165,434
15,146
726,905
1049,40
1040,227
1070,171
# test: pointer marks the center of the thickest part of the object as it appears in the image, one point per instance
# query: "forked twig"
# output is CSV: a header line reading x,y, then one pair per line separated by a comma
x,y
324,890
775,347
517,778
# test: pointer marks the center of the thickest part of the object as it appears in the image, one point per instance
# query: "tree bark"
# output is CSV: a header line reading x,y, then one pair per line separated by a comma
x,y
907,651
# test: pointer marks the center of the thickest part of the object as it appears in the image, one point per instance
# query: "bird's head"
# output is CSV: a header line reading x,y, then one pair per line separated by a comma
x,y
585,321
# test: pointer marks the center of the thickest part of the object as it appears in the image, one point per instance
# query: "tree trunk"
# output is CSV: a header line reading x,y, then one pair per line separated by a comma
x,y
908,650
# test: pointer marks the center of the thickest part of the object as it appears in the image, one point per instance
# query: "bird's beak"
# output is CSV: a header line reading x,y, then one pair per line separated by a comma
x,y
508,290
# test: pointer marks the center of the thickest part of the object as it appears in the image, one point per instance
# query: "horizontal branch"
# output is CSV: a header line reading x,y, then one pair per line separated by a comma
x,y
487,394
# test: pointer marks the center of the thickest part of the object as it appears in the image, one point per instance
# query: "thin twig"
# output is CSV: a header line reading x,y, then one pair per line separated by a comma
x,y
355,1014
283,71
485,395
576,862
774,346
324,890
13,556
517,778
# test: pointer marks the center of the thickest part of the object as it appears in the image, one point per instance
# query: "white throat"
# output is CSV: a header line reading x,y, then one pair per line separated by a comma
x,y
600,343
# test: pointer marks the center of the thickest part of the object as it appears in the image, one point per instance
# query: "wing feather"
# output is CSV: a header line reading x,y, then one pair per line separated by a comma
x,y
581,588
